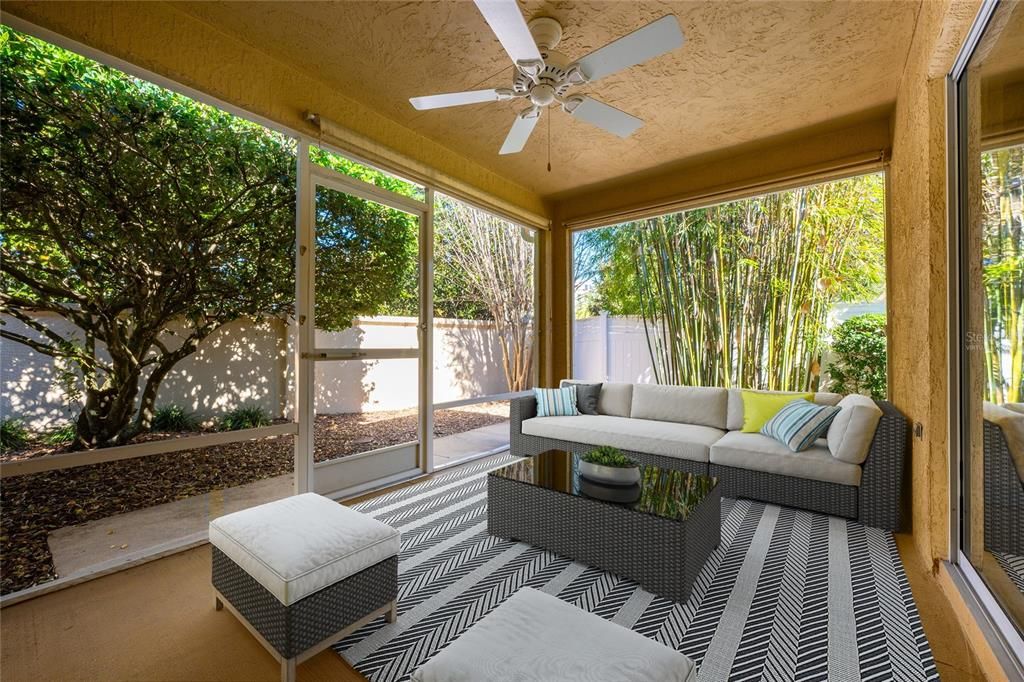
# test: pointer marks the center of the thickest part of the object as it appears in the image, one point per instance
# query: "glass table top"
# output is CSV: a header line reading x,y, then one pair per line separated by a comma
x,y
666,493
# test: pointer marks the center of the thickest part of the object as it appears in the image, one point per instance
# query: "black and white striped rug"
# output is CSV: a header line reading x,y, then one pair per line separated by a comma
x,y
788,595
1014,567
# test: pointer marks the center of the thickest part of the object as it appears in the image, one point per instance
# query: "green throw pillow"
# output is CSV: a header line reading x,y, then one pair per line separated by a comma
x,y
759,407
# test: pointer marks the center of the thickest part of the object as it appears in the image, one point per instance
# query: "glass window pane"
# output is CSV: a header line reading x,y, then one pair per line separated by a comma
x,y
780,292
364,405
367,273
369,174
468,431
992,295
483,303
200,281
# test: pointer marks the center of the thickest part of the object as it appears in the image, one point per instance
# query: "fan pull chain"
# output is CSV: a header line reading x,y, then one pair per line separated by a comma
x,y
549,140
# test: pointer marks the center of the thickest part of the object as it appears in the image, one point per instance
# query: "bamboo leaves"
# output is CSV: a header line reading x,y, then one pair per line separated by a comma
x,y
738,294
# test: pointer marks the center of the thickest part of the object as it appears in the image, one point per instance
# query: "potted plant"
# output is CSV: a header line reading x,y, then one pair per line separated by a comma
x,y
608,465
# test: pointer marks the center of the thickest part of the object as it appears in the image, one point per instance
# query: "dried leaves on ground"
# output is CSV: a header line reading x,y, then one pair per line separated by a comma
x,y
36,504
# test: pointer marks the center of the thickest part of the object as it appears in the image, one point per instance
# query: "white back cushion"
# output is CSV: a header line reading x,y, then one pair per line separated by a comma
x,y
734,416
681,404
853,429
616,398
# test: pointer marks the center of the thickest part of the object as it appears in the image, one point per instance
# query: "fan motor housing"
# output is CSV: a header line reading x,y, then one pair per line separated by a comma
x,y
552,76
546,32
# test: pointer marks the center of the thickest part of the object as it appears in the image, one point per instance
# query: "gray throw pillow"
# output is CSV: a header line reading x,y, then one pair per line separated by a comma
x,y
586,398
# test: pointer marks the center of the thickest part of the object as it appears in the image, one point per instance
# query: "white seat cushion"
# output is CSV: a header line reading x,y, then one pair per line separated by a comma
x,y
301,544
757,452
534,636
684,441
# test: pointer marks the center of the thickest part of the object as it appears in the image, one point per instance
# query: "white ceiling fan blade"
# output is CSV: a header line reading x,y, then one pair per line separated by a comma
x,y
603,116
505,19
656,38
455,99
521,130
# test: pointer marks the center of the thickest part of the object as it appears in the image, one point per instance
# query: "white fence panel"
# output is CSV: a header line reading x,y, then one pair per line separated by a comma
x,y
609,348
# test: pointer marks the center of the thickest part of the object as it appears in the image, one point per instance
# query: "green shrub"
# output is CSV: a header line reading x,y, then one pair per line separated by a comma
x,y
13,435
248,417
60,435
608,456
859,348
174,418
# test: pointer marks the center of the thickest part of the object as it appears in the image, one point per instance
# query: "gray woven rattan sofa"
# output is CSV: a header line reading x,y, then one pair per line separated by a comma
x,y
700,433
1004,481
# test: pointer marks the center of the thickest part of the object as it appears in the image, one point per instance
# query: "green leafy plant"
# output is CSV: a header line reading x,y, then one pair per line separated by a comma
x,y
174,418
608,456
13,435
59,435
247,417
860,350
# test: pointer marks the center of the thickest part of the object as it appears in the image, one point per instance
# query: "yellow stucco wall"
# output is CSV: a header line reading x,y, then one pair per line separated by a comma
x,y
161,39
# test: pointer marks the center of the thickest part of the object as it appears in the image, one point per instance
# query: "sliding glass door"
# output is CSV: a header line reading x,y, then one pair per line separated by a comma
x,y
987,355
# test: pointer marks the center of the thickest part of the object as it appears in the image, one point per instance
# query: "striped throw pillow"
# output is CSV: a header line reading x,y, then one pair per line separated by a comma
x,y
556,402
799,423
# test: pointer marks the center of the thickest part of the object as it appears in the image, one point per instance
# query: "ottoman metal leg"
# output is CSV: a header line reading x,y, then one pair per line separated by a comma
x,y
392,615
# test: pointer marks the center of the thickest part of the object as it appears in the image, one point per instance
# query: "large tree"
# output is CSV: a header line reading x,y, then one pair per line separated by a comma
x,y
494,261
147,221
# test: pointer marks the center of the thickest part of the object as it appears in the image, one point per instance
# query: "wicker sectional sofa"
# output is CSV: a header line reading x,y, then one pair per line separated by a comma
x,y
697,429
1004,478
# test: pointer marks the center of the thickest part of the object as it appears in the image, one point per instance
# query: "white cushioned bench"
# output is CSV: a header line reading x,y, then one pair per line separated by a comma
x,y
303,572
534,636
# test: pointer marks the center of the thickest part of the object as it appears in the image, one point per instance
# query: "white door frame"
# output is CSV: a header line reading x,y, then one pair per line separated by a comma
x,y
349,475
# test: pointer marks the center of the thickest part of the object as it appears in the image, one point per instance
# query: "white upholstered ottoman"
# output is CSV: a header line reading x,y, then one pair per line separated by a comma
x,y
303,572
534,636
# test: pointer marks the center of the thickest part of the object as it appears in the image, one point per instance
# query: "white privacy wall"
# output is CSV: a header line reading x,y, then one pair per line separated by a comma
x,y
607,348
251,363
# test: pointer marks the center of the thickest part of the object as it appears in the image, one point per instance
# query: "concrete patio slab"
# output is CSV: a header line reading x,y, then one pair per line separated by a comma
x,y
461,446
78,549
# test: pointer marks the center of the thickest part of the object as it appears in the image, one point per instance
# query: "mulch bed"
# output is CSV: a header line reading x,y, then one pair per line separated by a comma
x,y
36,504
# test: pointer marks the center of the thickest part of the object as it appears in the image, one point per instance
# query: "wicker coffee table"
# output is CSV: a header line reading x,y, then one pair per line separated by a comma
x,y
657,533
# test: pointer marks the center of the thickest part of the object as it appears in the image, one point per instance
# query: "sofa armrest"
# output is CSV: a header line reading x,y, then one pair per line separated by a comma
x,y
519,410
884,471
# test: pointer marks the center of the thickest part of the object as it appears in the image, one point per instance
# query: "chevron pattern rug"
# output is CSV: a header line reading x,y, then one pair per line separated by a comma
x,y
788,595
1014,567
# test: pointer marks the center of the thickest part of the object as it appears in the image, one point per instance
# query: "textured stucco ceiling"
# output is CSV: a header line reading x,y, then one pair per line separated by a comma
x,y
748,71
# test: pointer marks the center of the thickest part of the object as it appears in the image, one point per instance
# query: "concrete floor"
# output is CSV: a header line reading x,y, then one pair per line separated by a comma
x,y
76,549
79,550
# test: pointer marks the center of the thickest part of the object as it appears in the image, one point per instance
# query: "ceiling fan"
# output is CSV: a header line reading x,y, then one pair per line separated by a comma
x,y
544,76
